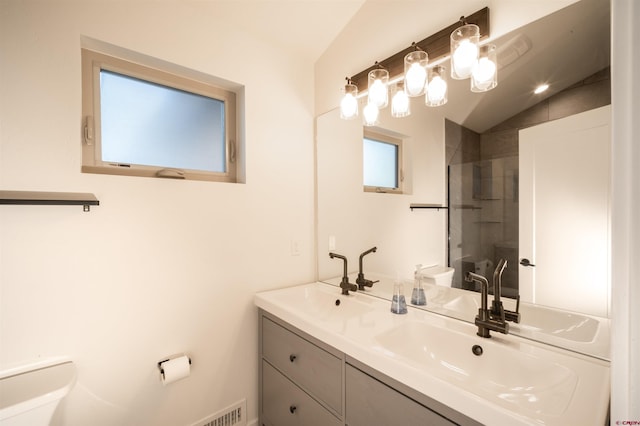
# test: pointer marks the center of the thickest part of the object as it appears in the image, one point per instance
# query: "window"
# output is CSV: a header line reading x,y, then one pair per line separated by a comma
x,y
382,159
140,120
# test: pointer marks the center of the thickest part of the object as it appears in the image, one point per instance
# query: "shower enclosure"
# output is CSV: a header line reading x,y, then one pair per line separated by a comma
x,y
483,220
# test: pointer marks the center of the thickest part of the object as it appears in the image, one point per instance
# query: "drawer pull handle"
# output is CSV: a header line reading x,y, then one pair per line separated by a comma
x,y
292,409
292,357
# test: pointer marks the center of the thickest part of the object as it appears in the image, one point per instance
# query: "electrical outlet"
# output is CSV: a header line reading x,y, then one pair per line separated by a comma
x,y
332,242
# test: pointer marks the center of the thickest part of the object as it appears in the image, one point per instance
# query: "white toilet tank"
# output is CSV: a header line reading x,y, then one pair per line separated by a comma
x,y
484,267
30,394
440,275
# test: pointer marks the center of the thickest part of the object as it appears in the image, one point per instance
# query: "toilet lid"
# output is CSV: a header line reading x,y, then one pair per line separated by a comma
x,y
31,389
435,271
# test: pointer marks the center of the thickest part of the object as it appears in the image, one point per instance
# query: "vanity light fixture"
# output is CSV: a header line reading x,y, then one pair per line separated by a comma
x,y
415,72
349,102
465,47
409,75
484,76
400,105
378,87
437,87
370,114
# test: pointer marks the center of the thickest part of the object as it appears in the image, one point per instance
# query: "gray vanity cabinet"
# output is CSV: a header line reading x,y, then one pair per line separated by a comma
x,y
285,404
305,382
309,366
372,403
301,383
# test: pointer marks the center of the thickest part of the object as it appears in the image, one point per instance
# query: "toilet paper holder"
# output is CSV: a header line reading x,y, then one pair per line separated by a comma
x,y
169,359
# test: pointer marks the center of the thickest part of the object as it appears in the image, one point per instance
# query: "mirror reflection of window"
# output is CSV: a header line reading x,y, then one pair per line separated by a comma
x,y
381,164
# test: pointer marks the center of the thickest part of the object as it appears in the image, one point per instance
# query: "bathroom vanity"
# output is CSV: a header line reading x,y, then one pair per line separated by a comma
x,y
330,359
306,382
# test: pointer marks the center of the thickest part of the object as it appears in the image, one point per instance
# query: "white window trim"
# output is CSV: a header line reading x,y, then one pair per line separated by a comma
x,y
93,61
382,137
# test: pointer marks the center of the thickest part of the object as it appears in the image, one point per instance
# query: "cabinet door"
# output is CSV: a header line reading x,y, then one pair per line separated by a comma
x,y
310,367
284,404
372,403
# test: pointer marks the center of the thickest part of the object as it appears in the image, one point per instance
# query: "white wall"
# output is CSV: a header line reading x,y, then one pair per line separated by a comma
x,y
625,235
161,266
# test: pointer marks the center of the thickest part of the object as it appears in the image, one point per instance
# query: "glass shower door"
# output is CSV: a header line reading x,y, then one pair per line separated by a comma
x,y
483,221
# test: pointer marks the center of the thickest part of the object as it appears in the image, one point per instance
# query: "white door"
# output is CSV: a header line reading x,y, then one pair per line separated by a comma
x,y
564,212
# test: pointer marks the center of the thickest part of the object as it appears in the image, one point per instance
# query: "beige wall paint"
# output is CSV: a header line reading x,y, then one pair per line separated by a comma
x,y
161,266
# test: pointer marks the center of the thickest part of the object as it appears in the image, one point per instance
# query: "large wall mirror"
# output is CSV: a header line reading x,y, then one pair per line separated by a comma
x,y
520,176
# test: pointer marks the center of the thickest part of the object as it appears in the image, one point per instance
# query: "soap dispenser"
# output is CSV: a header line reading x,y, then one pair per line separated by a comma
x,y
398,302
418,297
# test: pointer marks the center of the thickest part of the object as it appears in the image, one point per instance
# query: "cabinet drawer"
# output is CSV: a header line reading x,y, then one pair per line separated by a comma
x,y
285,404
310,367
372,403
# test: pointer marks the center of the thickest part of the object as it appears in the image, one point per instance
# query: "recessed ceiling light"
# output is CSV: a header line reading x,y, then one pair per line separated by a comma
x,y
541,89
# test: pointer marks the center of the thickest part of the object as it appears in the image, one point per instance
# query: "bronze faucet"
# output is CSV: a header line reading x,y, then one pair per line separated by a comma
x,y
497,311
345,285
361,280
484,319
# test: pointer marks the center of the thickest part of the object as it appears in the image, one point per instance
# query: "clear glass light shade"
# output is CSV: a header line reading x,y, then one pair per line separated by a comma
x,y
437,87
485,74
378,91
415,72
370,114
400,102
349,102
464,50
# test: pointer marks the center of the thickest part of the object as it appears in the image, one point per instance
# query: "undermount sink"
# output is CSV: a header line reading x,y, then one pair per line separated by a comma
x,y
536,319
319,304
527,380
565,325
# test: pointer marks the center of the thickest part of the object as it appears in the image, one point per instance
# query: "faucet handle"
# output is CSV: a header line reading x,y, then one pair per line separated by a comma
x,y
511,315
363,282
497,311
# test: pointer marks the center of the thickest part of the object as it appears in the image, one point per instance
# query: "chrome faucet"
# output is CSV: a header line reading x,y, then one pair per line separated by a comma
x,y
484,319
361,280
345,285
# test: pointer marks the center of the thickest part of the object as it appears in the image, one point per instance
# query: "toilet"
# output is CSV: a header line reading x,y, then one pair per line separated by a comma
x,y
439,275
30,394
484,267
